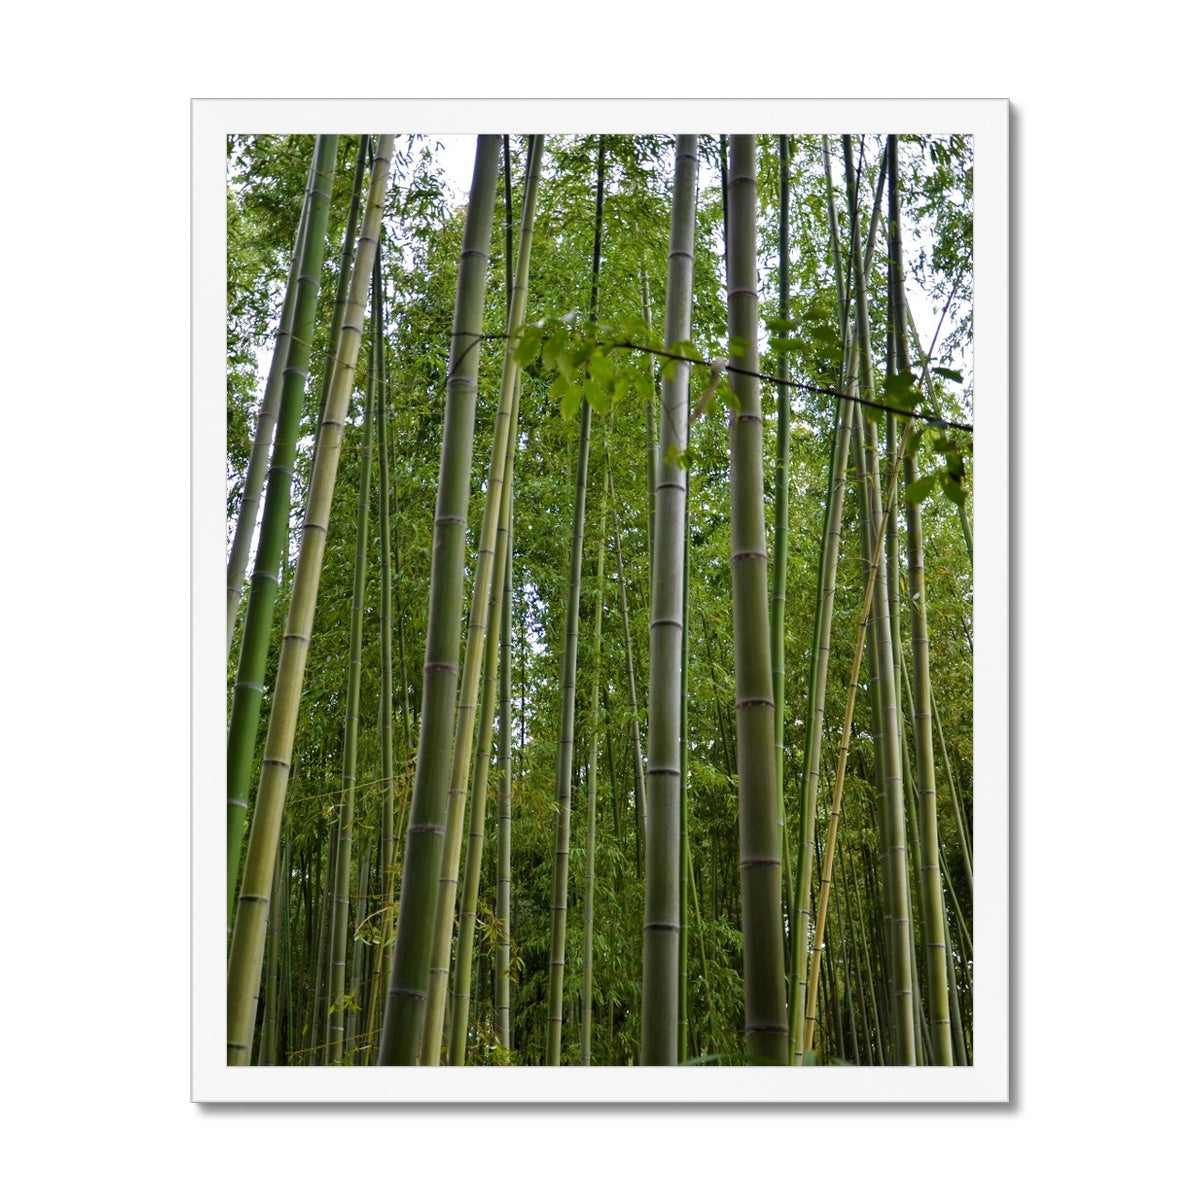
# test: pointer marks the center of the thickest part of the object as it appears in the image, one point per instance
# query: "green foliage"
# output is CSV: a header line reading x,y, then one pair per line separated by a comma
x,y
900,391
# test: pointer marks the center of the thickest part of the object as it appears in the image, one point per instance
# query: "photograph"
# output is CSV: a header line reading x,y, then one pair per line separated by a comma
x,y
615,625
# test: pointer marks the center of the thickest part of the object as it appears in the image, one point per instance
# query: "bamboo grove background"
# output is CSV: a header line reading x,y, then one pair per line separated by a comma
x,y
579,464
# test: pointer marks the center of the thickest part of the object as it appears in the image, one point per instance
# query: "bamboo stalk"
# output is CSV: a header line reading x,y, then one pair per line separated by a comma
x,y
404,1011
660,936
759,851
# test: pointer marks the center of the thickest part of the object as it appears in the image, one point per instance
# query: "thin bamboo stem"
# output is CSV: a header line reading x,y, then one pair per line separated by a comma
x,y
566,722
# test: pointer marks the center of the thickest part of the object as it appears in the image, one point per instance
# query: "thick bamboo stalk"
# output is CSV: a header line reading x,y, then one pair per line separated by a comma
x,y
759,851
404,1012
660,940
249,933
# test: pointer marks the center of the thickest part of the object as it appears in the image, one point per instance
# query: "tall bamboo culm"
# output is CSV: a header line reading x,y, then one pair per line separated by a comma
x,y
758,823
249,933
404,1011
930,886
660,940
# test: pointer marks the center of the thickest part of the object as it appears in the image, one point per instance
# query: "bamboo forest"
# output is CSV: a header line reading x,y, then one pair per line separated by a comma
x,y
599,612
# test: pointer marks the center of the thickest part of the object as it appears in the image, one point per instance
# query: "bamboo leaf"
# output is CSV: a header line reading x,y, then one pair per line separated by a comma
x,y
527,346
571,400
900,391
921,488
597,395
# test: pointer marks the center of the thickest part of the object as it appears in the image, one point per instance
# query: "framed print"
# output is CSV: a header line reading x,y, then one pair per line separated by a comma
x,y
613,666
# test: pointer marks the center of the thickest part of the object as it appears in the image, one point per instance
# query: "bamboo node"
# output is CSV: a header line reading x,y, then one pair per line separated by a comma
x,y
738,555
758,862
661,926
756,702
407,994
